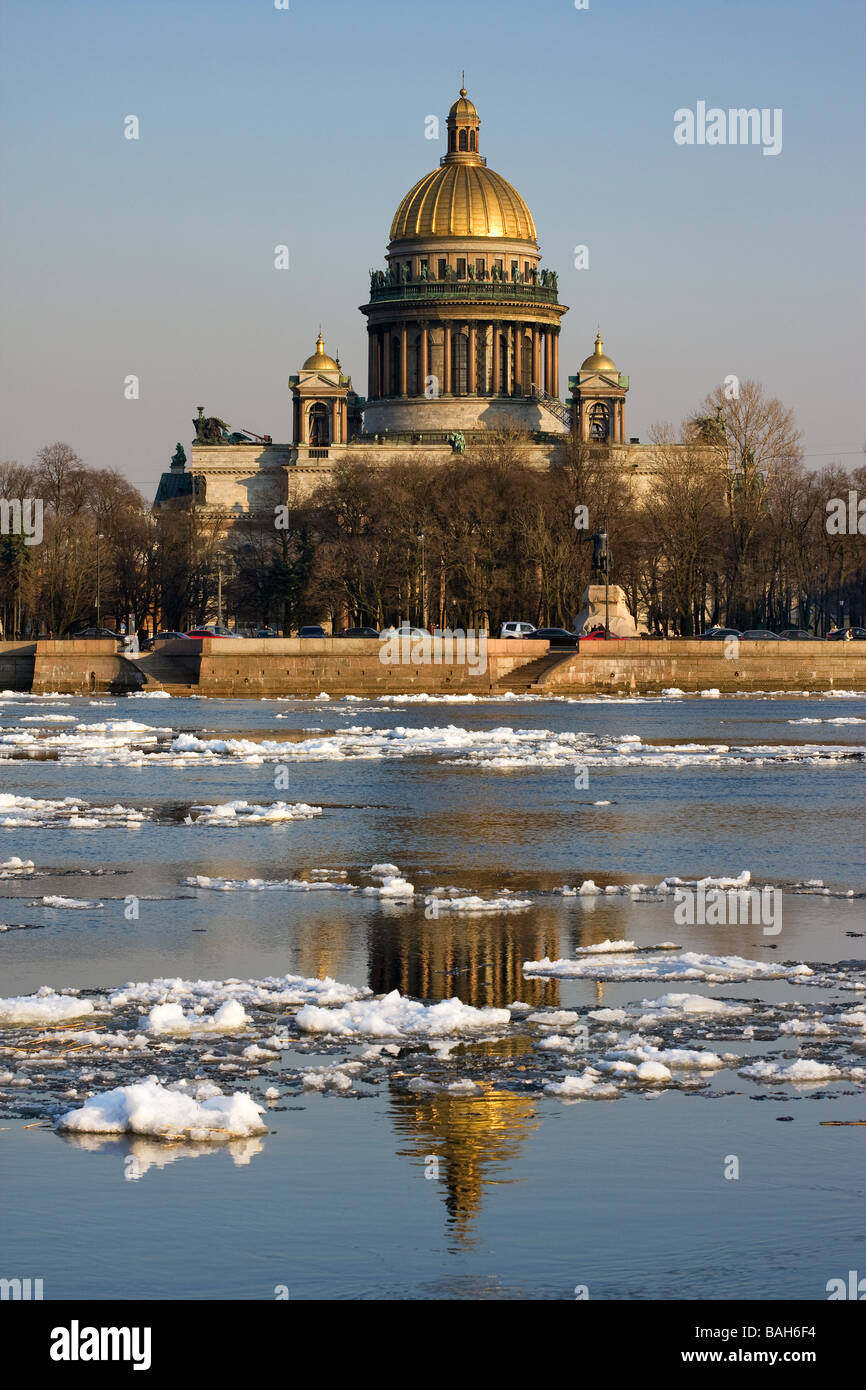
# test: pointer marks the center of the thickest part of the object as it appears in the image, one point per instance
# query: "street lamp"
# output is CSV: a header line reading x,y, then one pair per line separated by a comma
x,y
423,595
99,537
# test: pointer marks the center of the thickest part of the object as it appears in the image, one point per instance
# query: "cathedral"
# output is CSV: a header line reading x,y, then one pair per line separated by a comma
x,y
463,329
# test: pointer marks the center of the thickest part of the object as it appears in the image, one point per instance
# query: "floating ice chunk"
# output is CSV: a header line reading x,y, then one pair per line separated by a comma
x,y
671,1005
393,1015
802,1071
604,948
245,813
393,887
13,866
557,1018
384,871
587,1086
327,1079
711,694
690,965
147,1107
43,1007
472,903
170,1018
653,1072
258,885
54,900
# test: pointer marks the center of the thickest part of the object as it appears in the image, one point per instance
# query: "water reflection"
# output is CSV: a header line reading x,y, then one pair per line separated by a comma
x,y
473,1138
478,958
138,1154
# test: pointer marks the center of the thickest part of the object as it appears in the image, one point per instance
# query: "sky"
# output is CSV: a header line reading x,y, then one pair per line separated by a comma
x,y
305,126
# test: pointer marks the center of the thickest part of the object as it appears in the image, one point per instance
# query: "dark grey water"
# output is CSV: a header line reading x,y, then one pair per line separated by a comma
x,y
397,1186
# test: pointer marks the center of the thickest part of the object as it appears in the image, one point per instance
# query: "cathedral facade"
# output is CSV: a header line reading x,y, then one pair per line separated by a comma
x,y
463,328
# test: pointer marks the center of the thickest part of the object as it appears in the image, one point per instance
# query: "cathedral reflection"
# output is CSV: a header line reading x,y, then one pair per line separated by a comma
x,y
477,958
473,1139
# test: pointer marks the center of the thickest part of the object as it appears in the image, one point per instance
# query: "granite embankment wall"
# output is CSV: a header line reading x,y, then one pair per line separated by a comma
x,y
338,665
72,668
646,664
289,666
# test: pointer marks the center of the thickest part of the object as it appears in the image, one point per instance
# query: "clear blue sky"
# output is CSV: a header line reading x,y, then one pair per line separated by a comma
x,y
306,127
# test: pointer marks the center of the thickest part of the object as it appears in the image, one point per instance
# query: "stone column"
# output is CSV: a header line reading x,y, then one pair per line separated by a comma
x,y
555,390
497,358
373,365
386,363
446,359
545,347
536,355
425,359
404,365
472,369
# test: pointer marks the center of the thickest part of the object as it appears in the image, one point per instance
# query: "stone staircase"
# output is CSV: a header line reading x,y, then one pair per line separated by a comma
x,y
531,677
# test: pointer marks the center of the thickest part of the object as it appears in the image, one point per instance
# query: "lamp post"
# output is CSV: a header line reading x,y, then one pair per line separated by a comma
x,y
423,595
99,537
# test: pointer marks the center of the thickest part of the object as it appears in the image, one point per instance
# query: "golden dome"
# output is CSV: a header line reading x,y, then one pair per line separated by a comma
x,y
320,361
598,362
463,199
462,107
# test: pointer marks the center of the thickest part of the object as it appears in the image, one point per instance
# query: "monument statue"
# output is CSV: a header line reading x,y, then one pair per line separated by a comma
x,y
178,458
457,441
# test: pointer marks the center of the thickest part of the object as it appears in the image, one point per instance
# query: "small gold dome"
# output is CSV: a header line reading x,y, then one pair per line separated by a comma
x,y
598,362
463,199
320,361
462,107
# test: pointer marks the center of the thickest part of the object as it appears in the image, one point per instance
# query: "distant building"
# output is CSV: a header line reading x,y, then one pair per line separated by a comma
x,y
463,332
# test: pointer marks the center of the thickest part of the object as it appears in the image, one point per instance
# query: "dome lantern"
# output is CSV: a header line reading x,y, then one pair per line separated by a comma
x,y
463,125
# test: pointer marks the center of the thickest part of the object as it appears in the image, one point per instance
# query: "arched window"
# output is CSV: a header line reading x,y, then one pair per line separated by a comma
x,y
463,140
599,421
473,140
318,426
452,140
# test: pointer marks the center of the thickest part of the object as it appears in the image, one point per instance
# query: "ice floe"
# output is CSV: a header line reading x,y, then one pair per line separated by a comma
x,y
147,1107
394,1015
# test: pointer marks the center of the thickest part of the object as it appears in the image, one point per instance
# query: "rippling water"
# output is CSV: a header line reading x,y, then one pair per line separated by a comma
x,y
417,1148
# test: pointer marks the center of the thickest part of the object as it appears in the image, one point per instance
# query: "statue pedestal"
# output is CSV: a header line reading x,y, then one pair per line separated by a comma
x,y
620,621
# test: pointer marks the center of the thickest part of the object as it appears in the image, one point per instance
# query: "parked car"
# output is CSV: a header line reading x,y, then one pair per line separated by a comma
x,y
798,634
759,634
267,632
597,634
359,632
169,636
313,630
99,634
512,629
840,634
211,630
556,636
719,634
404,630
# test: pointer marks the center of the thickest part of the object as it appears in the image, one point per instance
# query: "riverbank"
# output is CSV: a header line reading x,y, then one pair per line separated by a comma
x,y
244,668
